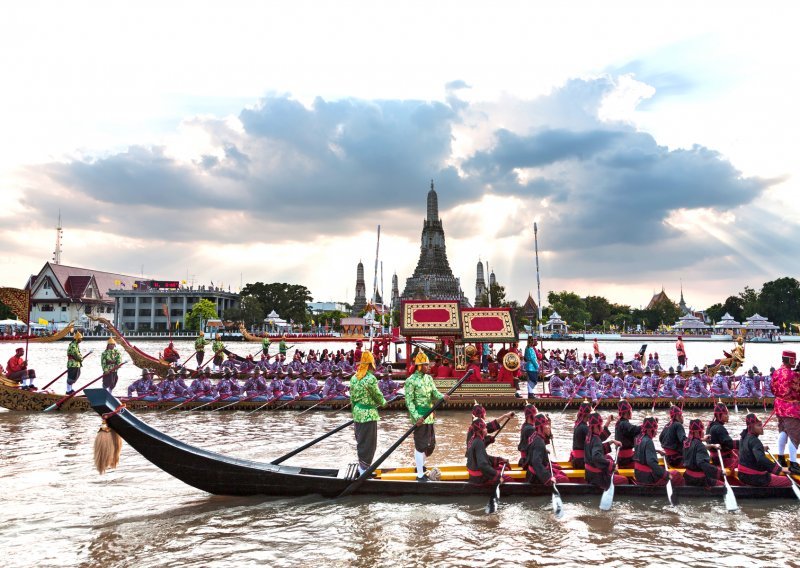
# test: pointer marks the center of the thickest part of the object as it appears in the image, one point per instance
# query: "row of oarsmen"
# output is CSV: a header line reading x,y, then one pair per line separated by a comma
x,y
592,441
258,387
612,383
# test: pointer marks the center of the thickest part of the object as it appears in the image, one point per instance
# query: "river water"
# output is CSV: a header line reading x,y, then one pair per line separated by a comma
x,y
57,511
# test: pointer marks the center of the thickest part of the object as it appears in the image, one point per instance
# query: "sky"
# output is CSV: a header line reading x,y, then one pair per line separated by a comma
x,y
655,145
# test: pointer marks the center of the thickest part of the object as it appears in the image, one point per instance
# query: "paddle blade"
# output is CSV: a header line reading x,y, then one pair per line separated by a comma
x,y
607,500
491,506
669,493
796,489
558,506
730,500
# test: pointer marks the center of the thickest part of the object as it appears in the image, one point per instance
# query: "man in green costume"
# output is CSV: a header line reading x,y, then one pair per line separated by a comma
x,y
200,348
365,397
74,361
265,343
282,349
421,394
219,351
110,359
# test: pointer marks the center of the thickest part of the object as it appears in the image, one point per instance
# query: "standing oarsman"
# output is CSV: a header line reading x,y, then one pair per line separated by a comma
x,y
646,469
718,436
672,437
483,469
625,433
282,348
218,347
74,361
540,471
754,467
786,387
200,348
421,395
699,471
265,344
365,397
110,359
681,352
599,467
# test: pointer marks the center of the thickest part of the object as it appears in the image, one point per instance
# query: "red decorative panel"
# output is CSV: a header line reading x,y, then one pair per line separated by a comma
x,y
430,318
488,324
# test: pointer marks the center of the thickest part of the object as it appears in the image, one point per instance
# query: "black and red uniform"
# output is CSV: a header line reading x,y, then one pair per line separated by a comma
x,y
647,470
625,433
672,438
483,469
754,466
699,472
599,467
526,432
537,461
579,436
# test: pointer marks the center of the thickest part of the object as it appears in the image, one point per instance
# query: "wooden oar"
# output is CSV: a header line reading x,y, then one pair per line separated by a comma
x,y
558,505
574,394
195,397
669,483
607,500
794,483
503,425
357,483
213,401
58,404
65,372
730,499
326,399
252,396
494,500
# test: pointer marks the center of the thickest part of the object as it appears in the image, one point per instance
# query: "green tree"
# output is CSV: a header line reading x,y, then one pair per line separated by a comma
x,y
570,307
599,309
333,318
202,310
779,301
715,312
663,313
288,300
750,303
249,311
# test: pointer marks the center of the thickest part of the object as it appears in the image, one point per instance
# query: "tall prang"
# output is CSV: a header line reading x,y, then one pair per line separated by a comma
x,y
480,284
395,292
361,291
433,279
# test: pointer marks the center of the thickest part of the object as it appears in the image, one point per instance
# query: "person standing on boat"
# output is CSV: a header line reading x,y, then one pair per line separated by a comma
x,y
786,387
265,344
110,359
672,437
18,371
700,472
754,467
421,394
74,361
681,350
200,348
218,347
282,348
531,366
365,397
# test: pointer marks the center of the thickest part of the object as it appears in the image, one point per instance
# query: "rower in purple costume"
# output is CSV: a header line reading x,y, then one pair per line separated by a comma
x,y
229,363
672,437
631,383
169,389
719,386
569,383
334,387
181,377
646,386
747,386
387,386
670,388
625,433
696,387
656,380
617,387
303,390
557,383
593,390
255,387
766,389
636,365
313,383
144,388
226,388
202,387
758,382
579,381
275,386
288,385
606,378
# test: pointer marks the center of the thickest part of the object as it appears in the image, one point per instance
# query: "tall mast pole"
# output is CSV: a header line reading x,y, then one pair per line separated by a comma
x,y
489,281
538,284
375,286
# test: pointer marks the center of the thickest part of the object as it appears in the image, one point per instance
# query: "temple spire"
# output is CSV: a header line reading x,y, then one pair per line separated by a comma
x,y
433,205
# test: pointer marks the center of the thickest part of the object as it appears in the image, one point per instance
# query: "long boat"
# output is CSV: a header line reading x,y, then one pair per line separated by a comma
x,y
14,398
223,475
60,334
253,338
138,357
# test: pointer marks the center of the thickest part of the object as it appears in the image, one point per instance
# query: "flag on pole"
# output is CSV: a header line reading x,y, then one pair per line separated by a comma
x,y
43,321
117,282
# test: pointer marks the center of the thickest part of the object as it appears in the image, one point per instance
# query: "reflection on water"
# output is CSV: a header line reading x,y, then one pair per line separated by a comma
x,y
58,512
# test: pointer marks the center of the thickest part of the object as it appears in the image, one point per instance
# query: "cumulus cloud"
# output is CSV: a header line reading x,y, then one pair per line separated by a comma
x,y
284,172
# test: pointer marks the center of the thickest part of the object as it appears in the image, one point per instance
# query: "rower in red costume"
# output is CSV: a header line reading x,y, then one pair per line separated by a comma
x,y
580,433
479,412
754,467
598,463
699,472
625,433
483,469
171,354
718,436
647,470
540,470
